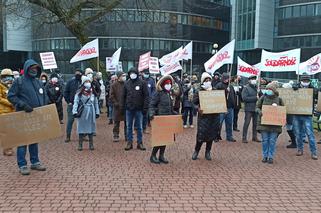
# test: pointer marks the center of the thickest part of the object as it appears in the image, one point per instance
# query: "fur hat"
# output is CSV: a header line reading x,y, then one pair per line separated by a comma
x,y
88,71
204,76
162,81
84,79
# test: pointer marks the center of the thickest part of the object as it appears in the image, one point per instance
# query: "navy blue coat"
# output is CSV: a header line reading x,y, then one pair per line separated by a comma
x,y
28,90
71,89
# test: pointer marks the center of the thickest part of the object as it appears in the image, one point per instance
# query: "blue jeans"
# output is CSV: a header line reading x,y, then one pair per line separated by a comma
x,y
137,116
110,112
302,125
145,120
188,111
21,155
228,117
70,120
268,143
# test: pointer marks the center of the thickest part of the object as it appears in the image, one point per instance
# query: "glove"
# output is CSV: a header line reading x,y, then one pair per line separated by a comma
x,y
27,108
295,87
75,115
97,116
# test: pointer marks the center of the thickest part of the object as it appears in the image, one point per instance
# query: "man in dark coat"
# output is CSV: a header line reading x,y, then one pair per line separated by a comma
x,y
250,97
27,93
54,91
230,104
151,91
136,104
116,97
71,89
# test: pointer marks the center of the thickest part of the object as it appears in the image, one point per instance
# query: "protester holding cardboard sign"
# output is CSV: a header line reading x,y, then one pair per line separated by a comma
x,y
26,93
208,125
302,124
161,104
269,132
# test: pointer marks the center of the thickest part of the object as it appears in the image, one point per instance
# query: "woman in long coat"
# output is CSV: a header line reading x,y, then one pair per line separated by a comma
x,y
86,123
208,125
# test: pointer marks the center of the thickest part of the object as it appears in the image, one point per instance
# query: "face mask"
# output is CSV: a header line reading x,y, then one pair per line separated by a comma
x,y
33,72
16,76
54,80
168,87
78,76
90,76
269,92
207,85
133,76
253,82
305,84
146,75
7,80
44,81
87,85
263,91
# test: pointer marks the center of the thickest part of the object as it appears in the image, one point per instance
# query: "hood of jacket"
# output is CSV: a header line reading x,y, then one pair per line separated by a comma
x,y
28,64
160,82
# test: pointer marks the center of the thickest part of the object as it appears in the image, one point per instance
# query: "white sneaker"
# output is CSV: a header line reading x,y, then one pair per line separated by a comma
x,y
191,126
185,126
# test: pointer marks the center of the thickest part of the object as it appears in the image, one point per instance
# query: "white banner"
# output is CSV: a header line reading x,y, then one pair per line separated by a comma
x,y
48,60
187,52
88,51
311,66
109,66
171,58
153,65
281,61
115,57
223,56
144,61
246,70
167,70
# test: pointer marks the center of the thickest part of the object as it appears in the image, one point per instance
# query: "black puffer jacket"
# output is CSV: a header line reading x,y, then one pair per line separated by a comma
x,y
136,95
161,103
208,125
54,92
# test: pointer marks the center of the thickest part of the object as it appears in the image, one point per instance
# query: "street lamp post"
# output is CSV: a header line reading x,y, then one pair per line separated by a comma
x,y
215,49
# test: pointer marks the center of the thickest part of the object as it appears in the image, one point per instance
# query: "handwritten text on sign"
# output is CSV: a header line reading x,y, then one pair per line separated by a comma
x,y
273,115
297,102
212,101
21,128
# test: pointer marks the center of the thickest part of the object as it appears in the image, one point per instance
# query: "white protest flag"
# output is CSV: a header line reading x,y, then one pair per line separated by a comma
x,y
88,51
281,61
116,56
171,58
167,70
187,52
246,70
223,56
311,66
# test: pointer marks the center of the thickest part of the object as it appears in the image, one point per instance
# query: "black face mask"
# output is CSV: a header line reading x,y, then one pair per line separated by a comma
x,y
78,77
33,73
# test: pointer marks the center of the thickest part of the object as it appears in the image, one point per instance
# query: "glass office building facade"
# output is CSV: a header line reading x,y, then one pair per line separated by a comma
x,y
140,30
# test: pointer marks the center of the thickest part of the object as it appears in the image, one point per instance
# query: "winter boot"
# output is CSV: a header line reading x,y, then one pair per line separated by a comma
x,y
91,141
129,146
162,159
208,150
208,155
153,158
140,146
67,139
116,138
293,142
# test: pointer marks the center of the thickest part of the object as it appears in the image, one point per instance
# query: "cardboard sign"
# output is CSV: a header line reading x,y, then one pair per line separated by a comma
x,y
48,60
164,128
21,128
212,101
273,115
319,102
297,102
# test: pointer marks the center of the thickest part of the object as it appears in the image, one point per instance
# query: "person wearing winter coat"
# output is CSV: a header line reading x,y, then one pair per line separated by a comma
x,y
151,91
6,80
136,102
27,93
161,104
238,99
116,98
55,94
208,125
70,91
188,106
95,85
250,97
110,104
44,78
86,123
176,93
230,104
269,133
102,97
216,79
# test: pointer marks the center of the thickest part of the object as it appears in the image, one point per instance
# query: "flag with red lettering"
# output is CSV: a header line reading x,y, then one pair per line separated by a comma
x,y
88,51
223,56
246,70
281,61
171,58
187,52
144,61
167,70
311,66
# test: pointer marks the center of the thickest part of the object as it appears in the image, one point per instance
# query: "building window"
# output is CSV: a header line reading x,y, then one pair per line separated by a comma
x,y
303,10
296,11
318,10
310,10
288,12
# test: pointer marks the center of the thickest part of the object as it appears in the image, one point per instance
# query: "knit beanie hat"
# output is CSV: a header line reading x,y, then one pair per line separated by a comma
x,y
204,76
84,79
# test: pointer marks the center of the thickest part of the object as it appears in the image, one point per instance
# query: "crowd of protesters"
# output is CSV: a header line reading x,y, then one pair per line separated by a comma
x,y
134,98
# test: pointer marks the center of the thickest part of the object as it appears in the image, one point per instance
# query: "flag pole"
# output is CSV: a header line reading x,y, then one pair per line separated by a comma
x,y
182,70
191,68
98,64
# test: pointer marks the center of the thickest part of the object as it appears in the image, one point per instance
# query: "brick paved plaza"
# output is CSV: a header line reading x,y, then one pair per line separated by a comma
x,y
112,180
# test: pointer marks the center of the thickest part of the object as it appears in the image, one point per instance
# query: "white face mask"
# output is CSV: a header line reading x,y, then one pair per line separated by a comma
x,y
43,80
87,85
168,87
207,85
54,80
90,76
253,82
133,76
305,84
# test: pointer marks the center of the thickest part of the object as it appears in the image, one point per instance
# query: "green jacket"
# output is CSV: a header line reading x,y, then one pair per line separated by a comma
x,y
267,100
